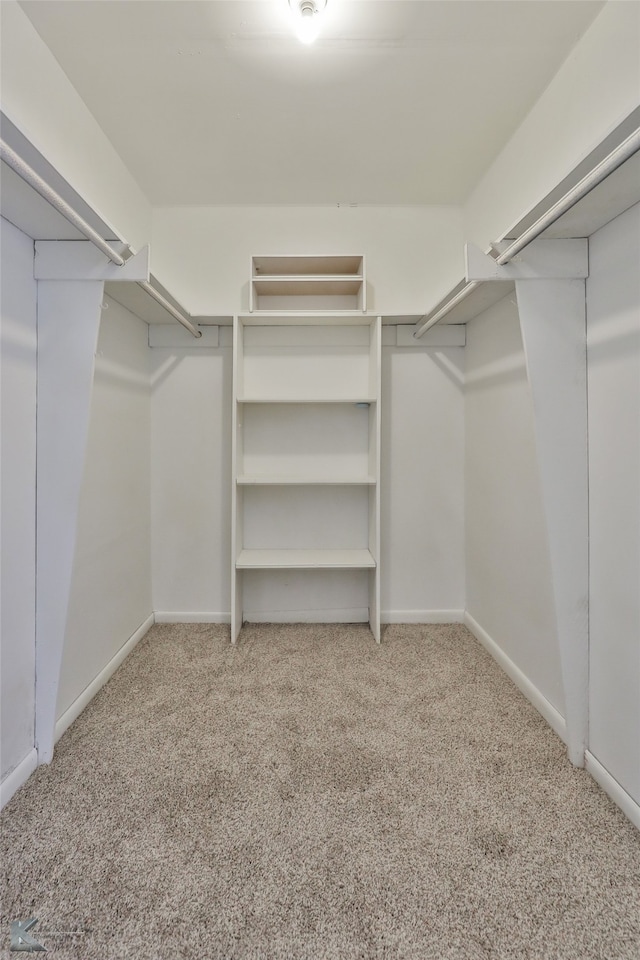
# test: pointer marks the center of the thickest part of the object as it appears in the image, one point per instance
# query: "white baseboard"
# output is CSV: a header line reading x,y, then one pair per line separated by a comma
x,y
553,717
342,615
351,615
19,775
78,705
422,616
611,787
347,615
190,616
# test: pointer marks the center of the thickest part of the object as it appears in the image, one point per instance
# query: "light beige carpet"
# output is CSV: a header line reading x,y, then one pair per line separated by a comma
x,y
310,795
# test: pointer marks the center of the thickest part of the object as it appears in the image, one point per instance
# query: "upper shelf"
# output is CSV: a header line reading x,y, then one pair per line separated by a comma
x,y
307,283
316,266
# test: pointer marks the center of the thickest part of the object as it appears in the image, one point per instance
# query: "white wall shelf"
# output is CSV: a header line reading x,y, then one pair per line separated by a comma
x,y
306,455
301,559
307,283
355,400
245,481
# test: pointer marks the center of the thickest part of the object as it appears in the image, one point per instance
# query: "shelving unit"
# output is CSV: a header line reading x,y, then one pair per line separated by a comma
x,y
307,283
306,450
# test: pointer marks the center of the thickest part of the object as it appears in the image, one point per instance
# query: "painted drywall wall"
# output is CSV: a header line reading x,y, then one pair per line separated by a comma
x,y
422,567
191,480
613,351
413,254
111,587
18,530
422,482
594,90
40,100
508,574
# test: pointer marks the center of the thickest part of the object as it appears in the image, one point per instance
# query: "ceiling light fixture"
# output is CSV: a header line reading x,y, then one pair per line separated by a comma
x,y
307,18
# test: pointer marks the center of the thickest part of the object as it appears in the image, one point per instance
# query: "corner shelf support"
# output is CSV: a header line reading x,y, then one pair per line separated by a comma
x,y
68,325
551,295
81,260
553,324
542,260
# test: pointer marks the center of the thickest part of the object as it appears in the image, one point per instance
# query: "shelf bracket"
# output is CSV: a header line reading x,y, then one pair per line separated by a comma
x,y
541,260
81,260
68,324
549,278
553,324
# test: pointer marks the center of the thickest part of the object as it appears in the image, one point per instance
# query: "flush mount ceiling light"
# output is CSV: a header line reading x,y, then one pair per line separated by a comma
x,y
307,18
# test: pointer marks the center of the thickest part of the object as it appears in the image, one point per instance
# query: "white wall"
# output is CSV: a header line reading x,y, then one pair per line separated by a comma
x,y
413,254
422,482
203,254
39,99
18,531
111,587
422,567
613,345
191,480
594,90
508,574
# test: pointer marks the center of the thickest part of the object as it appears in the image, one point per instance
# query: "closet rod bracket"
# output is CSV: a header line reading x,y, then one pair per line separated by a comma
x,y
542,260
81,260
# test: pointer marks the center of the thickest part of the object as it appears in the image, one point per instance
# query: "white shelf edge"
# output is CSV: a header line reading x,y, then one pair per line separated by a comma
x,y
249,481
275,264
306,400
306,277
305,559
312,318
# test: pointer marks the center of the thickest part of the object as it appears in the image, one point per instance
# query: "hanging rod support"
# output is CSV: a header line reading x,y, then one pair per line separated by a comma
x,y
542,260
600,172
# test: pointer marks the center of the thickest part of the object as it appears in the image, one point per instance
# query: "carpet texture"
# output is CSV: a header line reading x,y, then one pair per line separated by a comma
x,y
308,794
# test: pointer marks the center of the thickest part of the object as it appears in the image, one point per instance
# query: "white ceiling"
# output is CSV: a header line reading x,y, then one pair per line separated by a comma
x,y
398,102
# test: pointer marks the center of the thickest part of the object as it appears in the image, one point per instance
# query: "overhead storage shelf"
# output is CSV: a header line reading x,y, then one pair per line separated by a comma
x,y
135,299
307,283
297,265
483,297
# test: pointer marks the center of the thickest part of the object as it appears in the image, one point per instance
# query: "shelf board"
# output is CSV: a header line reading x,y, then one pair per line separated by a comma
x,y
310,318
307,286
300,400
308,559
289,481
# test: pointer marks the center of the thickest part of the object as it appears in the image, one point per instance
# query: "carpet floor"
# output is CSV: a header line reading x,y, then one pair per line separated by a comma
x,y
308,794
